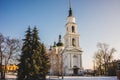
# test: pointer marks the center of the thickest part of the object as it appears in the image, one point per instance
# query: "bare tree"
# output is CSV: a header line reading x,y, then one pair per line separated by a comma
x,y
104,56
13,48
99,61
9,51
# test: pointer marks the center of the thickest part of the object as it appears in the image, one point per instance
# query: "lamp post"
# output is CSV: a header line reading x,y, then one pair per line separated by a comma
x,y
58,65
94,67
62,65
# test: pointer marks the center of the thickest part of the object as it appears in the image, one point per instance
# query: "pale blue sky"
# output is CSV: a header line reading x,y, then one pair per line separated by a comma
x,y
98,21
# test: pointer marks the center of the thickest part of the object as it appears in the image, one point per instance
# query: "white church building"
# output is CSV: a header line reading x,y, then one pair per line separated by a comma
x,y
67,58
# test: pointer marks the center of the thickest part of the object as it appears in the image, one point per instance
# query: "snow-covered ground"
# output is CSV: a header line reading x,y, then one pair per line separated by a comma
x,y
13,77
81,78
10,76
90,78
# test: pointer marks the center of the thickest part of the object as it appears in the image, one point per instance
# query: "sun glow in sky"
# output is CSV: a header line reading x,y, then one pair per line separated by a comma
x,y
98,21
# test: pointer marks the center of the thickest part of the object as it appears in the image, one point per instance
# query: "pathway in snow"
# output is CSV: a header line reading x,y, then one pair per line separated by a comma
x,y
13,77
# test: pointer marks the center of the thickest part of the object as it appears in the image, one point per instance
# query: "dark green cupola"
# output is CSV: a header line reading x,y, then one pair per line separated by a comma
x,y
59,41
55,45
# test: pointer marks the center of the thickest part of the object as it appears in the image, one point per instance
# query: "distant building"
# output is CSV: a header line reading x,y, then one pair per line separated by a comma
x,y
10,68
67,58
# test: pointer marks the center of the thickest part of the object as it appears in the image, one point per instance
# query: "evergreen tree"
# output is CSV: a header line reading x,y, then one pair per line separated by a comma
x,y
34,62
25,60
36,57
45,61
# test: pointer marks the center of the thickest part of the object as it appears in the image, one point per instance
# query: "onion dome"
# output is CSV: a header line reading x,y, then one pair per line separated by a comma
x,y
59,41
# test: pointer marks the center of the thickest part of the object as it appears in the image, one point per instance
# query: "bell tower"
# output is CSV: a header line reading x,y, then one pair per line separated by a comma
x,y
72,53
71,37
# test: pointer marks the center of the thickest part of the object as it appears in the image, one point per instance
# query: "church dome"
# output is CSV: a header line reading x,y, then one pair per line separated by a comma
x,y
59,44
59,41
55,45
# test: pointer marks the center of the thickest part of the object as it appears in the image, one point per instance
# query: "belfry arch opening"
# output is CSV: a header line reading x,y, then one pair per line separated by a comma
x,y
73,42
73,29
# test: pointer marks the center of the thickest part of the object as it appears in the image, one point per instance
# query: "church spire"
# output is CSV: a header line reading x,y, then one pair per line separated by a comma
x,y
70,9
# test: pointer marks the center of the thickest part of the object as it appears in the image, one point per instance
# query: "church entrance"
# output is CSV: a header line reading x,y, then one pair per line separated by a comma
x,y
75,70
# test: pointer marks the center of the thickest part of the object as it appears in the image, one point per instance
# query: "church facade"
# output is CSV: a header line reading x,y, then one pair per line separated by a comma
x,y
69,53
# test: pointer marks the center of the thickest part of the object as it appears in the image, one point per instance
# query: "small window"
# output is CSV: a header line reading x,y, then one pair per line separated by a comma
x,y
73,29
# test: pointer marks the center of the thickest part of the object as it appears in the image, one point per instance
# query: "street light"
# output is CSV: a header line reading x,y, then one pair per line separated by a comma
x,y
62,65
94,67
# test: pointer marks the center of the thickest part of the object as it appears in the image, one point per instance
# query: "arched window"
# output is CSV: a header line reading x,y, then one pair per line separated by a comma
x,y
73,42
73,29
75,60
